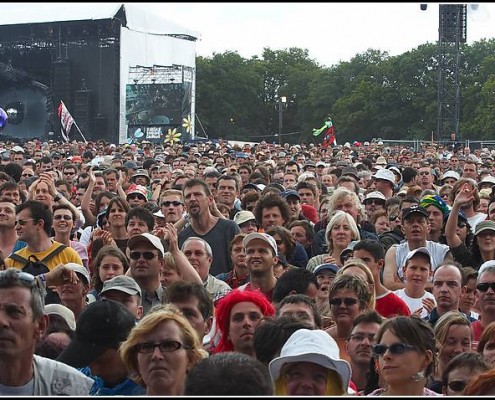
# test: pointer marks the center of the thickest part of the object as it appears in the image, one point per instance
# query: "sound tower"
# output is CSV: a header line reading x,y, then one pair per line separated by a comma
x,y
62,82
84,112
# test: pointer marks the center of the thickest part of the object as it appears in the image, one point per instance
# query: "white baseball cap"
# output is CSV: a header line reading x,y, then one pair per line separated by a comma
x,y
263,236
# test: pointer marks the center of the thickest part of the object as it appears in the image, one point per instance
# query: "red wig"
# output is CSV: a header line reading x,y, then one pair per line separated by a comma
x,y
224,308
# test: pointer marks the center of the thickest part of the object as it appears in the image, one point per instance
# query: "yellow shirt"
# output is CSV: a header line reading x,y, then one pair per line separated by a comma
x,y
67,255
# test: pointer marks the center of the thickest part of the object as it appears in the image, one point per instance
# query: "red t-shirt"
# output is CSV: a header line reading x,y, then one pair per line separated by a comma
x,y
390,305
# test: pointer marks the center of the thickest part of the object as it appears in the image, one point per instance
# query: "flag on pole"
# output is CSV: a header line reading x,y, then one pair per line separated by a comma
x,y
329,138
66,120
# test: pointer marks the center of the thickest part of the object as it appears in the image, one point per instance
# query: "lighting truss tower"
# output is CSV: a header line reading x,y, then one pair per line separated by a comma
x,y
452,32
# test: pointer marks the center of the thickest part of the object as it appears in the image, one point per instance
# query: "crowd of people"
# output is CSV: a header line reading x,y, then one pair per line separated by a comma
x,y
258,270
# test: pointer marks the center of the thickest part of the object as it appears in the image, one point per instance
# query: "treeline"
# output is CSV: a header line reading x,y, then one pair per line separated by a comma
x,y
372,95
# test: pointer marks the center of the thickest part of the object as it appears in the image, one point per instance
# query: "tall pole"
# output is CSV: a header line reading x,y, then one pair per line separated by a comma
x,y
281,103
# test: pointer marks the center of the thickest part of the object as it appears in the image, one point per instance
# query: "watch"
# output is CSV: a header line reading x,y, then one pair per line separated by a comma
x,y
57,197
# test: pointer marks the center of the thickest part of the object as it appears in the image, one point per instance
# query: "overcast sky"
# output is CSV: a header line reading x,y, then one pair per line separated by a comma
x,y
331,32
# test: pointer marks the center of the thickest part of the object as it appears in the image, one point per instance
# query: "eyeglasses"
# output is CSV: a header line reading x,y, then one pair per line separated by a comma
x,y
23,222
167,346
27,175
396,348
483,287
393,218
64,217
424,173
348,301
69,173
147,255
169,203
457,386
12,274
359,337
461,225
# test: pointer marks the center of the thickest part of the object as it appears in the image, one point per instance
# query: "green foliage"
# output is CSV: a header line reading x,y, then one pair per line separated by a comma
x,y
372,95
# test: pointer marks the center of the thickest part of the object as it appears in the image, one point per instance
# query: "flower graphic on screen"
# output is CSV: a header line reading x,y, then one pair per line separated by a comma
x,y
172,136
187,123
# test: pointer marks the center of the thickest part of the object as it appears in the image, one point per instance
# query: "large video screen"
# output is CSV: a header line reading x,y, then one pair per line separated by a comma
x,y
154,104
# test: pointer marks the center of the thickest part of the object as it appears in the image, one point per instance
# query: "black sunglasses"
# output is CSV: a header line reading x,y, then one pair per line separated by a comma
x,y
396,348
169,203
348,301
392,218
483,287
167,346
147,255
457,386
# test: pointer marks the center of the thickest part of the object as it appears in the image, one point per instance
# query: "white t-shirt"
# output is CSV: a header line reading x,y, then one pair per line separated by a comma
x,y
415,304
475,220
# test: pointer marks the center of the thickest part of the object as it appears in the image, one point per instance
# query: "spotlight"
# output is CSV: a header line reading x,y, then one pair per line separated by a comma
x,y
15,112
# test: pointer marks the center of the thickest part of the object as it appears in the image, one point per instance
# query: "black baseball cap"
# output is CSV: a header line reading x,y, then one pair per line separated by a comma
x,y
406,212
102,325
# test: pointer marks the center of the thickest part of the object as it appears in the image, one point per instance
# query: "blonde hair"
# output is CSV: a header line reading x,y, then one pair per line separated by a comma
x,y
446,321
169,261
157,315
357,262
336,218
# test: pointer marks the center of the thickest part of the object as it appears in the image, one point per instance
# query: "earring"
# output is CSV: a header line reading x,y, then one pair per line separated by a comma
x,y
377,367
418,376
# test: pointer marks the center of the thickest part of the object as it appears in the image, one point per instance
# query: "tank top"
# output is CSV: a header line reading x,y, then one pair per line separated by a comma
x,y
437,251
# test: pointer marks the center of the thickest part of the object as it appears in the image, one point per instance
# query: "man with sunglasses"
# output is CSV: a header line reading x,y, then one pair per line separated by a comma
x,y
172,205
146,259
23,323
485,295
373,202
33,225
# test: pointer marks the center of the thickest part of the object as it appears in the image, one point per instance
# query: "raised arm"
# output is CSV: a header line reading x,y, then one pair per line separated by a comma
x,y
390,271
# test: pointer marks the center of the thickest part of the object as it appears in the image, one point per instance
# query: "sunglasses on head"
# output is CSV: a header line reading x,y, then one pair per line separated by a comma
x,y
483,287
348,301
11,275
147,255
457,386
396,348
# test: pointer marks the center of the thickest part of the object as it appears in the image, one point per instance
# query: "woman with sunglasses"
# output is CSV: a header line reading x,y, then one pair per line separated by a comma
x,y
453,336
349,297
460,371
404,357
160,351
63,227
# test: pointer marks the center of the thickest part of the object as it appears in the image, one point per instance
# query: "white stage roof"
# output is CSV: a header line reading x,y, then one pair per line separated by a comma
x,y
138,18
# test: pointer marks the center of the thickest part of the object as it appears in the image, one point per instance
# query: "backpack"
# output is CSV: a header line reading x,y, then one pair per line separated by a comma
x,y
34,266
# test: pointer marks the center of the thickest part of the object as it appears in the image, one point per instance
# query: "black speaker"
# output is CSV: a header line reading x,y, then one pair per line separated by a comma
x,y
101,126
61,82
84,112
